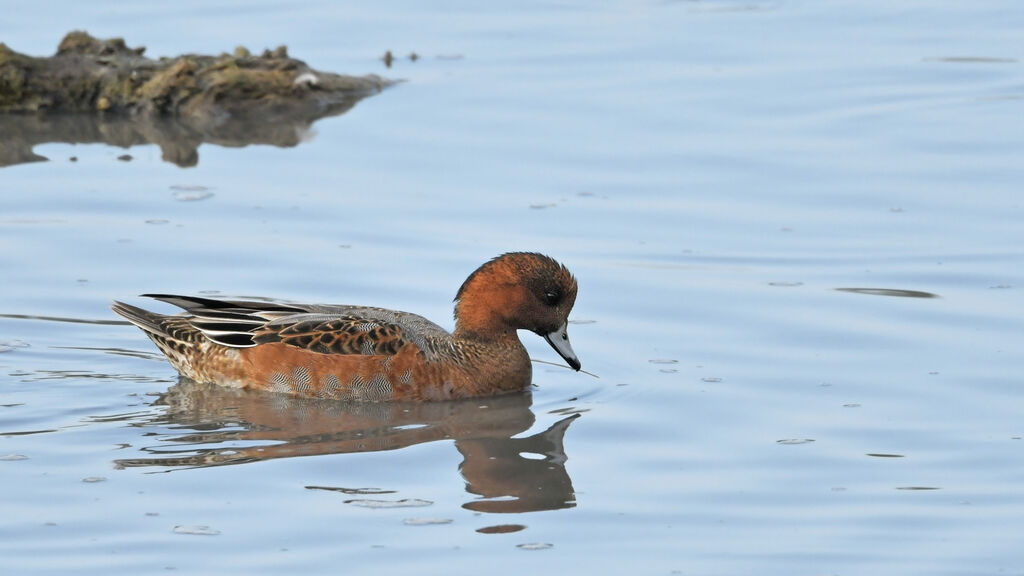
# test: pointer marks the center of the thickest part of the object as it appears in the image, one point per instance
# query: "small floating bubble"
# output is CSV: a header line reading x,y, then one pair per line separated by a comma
x,y
157,221
196,530
711,380
535,546
13,457
1001,287
792,441
94,479
542,206
918,488
851,405
426,521
668,370
786,284
663,361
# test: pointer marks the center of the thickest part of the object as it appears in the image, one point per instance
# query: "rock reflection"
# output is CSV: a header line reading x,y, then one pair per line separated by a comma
x,y
178,138
217,426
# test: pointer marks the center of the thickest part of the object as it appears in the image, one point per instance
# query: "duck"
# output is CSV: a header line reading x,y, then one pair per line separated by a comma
x,y
368,354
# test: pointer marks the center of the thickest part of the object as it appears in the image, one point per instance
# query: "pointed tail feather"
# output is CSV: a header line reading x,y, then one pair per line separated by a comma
x,y
172,334
205,320
149,322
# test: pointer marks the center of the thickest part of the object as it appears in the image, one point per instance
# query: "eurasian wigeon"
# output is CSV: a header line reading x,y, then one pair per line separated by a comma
x,y
372,354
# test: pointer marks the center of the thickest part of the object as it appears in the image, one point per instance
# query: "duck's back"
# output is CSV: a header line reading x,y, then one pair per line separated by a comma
x,y
329,351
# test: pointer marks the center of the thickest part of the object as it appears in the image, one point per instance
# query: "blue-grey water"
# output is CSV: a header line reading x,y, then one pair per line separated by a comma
x,y
798,230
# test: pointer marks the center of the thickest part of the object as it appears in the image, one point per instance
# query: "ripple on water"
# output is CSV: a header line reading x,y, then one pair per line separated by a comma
x,y
377,504
8,345
501,529
183,193
426,521
196,530
665,362
894,292
356,491
535,546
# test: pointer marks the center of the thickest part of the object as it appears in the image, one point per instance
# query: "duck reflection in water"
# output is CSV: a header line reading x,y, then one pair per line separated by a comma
x,y
267,426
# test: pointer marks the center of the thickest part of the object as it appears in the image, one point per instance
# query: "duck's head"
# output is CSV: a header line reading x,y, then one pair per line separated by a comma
x,y
519,291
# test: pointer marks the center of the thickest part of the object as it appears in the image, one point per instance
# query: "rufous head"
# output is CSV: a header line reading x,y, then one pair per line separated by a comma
x,y
518,291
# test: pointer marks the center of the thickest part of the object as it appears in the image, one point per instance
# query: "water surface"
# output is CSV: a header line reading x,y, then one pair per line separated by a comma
x,y
797,232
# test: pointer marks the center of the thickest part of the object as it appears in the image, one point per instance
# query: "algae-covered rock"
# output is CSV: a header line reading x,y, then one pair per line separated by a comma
x,y
88,74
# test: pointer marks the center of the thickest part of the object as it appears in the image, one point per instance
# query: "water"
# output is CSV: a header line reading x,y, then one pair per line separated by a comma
x,y
797,232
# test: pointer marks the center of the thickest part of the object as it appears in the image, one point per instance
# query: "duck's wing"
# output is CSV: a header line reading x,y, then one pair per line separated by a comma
x,y
318,328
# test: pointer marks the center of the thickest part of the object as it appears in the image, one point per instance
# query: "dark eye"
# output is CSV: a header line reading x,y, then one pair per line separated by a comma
x,y
552,297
